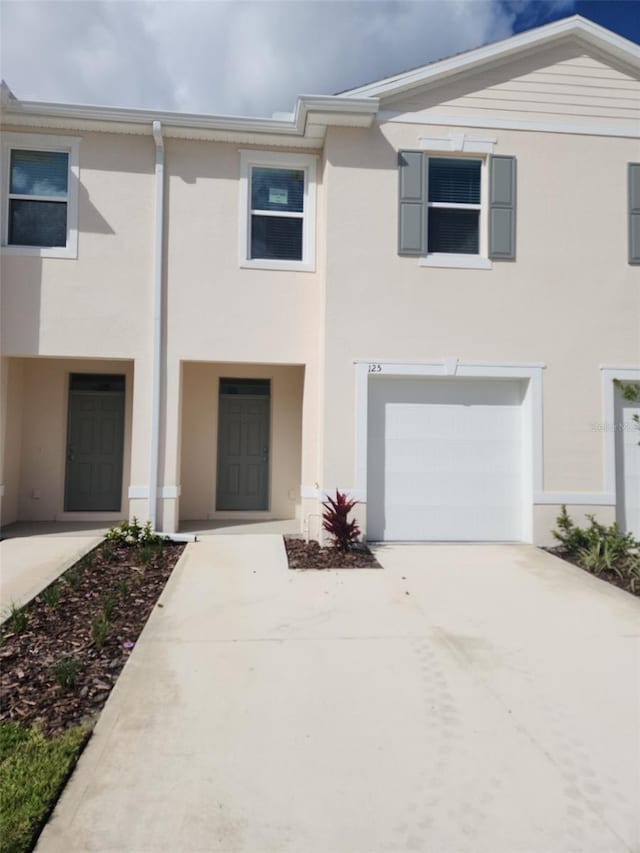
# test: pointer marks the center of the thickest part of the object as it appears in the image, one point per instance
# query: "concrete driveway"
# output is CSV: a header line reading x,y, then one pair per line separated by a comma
x,y
483,699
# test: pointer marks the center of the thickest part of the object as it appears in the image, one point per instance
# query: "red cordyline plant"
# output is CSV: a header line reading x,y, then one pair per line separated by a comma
x,y
335,521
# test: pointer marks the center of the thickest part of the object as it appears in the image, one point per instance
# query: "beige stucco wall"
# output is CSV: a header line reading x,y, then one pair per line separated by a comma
x,y
200,437
98,304
570,300
35,453
10,436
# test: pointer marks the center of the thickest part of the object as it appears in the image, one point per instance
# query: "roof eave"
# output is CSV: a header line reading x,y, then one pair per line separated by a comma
x,y
575,27
316,111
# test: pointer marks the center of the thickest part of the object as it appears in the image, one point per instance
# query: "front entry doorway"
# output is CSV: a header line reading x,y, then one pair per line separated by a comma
x,y
95,443
243,444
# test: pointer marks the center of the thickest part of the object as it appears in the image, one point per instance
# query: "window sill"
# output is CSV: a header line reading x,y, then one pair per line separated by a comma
x,y
457,262
267,264
41,252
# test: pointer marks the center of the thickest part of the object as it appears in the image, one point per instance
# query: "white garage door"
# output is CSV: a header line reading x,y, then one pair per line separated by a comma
x,y
445,459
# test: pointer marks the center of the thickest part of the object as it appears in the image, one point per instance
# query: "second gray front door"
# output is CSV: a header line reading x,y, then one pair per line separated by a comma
x,y
243,446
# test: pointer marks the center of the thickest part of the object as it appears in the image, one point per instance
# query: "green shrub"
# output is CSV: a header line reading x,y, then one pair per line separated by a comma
x,y
65,672
18,619
51,596
99,631
108,607
106,550
575,539
72,578
33,769
122,588
599,548
599,556
133,533
146,554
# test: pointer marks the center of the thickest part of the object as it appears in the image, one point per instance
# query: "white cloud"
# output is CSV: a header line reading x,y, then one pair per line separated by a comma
x,y
234,57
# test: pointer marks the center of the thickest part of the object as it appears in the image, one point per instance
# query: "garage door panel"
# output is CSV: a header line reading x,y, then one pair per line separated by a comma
x,y
445,459
448,456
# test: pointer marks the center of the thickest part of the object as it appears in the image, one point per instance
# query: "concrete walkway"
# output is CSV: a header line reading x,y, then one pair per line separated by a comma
x,y
28,564
468,699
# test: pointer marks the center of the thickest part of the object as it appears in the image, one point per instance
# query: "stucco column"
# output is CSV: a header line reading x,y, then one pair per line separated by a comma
x,y
170,436
140,429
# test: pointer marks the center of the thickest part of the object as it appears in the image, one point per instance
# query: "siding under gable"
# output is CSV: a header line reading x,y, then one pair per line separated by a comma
x,y
579,89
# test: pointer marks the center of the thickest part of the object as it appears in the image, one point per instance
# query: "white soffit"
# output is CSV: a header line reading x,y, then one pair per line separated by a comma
x,y
304,128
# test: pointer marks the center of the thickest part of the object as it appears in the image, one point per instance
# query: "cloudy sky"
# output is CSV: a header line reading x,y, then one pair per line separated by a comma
x,y
250,57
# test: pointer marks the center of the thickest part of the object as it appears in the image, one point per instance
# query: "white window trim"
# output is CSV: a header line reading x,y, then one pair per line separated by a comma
x,y
282,160
446,260
39,142
458,262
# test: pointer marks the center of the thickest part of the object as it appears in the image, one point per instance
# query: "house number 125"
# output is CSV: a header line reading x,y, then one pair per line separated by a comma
x,y
375,368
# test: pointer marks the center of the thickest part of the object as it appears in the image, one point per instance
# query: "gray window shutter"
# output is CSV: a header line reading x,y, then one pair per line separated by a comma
x,y
634,213
502,208
412,209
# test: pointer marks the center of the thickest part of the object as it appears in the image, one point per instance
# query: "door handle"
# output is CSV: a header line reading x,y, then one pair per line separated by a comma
x,y
70,455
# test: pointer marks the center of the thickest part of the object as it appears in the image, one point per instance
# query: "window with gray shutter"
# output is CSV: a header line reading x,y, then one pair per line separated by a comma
x,y
412,203
502,208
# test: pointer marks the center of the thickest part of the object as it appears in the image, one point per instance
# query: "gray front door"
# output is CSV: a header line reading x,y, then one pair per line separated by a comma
x,y
95,441
243,447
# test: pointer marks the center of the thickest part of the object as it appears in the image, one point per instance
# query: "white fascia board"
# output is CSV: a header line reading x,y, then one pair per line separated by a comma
x,y
576,26
357,111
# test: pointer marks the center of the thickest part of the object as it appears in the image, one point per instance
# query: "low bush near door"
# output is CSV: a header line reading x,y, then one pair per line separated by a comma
x,y
603,551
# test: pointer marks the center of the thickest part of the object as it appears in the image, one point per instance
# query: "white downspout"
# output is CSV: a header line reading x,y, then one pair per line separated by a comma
x,y
156,364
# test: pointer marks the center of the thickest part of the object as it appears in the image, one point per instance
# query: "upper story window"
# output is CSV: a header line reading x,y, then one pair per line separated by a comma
x,y
277,209
457,210
454,206
40,192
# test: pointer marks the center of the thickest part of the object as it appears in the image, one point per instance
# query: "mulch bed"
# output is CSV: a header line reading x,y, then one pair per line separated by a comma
x,y
123,581
608,576
309,555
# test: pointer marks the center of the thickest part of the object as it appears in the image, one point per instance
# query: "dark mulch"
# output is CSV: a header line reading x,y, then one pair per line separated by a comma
x,y
608,576
309,555
29,692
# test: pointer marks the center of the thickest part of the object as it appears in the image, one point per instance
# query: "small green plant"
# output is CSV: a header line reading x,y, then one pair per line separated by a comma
x,y
598,548
18,619
122,588
51,596
146,554
600,556
65,672
87,562
335,521
99,631
72,577
575,539
133,533
108,607
106,550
